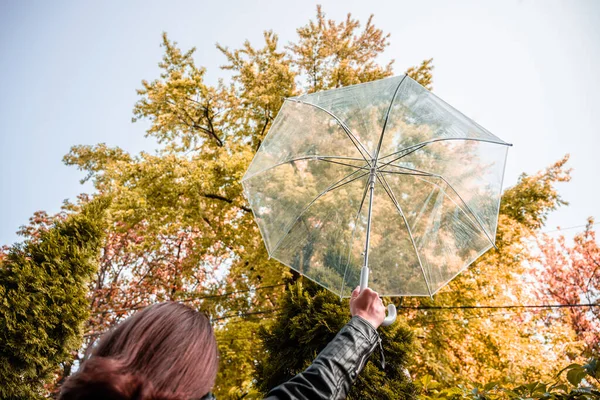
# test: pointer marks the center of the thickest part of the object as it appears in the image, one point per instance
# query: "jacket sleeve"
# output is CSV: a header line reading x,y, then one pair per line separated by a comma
x,y
335,368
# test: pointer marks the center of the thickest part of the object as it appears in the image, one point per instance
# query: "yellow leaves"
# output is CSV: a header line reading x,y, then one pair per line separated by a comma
x,y
504,344
191,187
183,111
530,201
331,54
262,79
422,73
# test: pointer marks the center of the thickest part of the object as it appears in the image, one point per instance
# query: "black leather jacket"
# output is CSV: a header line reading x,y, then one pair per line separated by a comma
x,y
335,368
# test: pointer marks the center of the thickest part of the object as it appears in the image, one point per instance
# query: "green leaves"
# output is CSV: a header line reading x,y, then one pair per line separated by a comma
x,y
534,390
43,287
575,375
310,318
577,372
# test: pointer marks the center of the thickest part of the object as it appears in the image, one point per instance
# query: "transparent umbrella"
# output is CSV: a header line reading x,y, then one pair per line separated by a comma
x,y
381,180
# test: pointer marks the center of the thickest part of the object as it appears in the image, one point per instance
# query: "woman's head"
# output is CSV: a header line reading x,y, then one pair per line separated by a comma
x,y
166,351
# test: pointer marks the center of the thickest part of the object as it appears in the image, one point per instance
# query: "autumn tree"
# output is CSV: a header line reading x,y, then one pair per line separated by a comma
x,y
43,287
568,275
180,227
462,345
330,54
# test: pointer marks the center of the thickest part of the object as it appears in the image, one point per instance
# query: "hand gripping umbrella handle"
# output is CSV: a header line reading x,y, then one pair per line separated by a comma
x,y
391,309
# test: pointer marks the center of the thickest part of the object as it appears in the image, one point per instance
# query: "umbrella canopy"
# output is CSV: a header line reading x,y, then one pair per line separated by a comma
x,y
383,171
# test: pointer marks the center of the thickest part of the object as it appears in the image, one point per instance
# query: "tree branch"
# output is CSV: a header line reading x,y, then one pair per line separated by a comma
x,y
262,132
225,199
211,128
210,131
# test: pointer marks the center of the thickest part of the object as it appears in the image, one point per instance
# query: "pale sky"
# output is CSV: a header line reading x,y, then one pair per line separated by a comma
x,y
525,70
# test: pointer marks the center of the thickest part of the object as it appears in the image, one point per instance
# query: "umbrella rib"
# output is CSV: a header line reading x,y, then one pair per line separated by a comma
x,y
362,201
345,183
344,127
459,196
468,214
471,211
443,140
387,115
315,158
403,155
292,223
413,170
348,165
392,197
403,173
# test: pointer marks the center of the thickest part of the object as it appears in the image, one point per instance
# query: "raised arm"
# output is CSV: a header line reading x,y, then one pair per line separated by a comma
x,y
338,365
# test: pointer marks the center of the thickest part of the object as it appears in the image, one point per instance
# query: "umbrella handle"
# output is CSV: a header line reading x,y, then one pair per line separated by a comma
x,y
391,317
364,278
391,309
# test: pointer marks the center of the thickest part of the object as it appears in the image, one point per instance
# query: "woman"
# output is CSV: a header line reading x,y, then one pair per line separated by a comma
x,y
169,351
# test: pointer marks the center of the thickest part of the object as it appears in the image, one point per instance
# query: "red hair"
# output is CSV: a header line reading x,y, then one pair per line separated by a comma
x,y
166,351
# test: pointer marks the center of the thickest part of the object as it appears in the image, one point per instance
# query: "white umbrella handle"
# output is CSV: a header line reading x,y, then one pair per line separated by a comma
x,y
391,317
391,309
